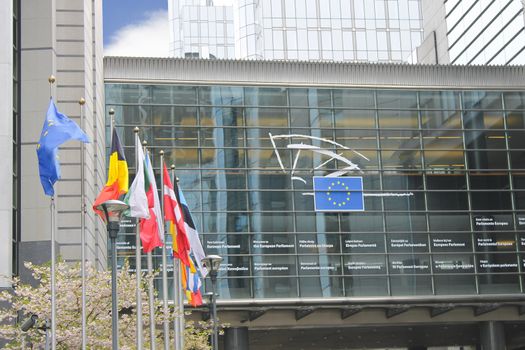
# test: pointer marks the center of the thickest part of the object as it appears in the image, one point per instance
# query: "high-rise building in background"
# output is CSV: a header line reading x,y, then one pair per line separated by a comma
x,y
469,32
334,30
199,29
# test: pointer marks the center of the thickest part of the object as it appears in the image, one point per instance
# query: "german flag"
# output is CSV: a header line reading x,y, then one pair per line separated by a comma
x,y
117,183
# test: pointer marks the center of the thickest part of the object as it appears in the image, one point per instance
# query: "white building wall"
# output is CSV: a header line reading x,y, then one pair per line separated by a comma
x,y
61,37
6,141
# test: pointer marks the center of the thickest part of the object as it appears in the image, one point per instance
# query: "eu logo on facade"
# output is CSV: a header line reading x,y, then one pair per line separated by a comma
x,y
338,193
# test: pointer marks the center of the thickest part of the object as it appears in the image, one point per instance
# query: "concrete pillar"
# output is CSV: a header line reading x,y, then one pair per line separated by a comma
x,y
492,336
236,338
6,143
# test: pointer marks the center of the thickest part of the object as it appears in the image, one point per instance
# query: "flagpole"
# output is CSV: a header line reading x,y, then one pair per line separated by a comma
x,y
178,295
151,290
51,81
138,256
165,322
111,120
82,102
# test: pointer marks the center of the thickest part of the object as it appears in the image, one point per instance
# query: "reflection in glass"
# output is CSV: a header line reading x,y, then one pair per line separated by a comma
x,y
410,285
366,286
262,221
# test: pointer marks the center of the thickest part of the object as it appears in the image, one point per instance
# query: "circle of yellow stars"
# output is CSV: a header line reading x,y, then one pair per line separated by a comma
x,y
329,193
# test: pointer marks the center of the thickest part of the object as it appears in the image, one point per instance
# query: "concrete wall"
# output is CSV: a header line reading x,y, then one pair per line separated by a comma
x,y
435,34
61,37
6,141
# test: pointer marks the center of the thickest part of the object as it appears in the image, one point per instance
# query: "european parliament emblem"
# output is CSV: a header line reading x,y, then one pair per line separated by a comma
x,y
338,193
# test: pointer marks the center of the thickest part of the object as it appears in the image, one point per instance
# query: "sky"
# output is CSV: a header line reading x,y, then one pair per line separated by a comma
x,y
138,27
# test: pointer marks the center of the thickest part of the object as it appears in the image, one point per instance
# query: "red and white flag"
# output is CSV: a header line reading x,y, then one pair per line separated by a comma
x,y
152,228
173,213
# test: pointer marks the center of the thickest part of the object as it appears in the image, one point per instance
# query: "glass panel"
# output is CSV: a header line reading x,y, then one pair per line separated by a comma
x,y
220,95
396,99
454,284
355,99
366,286
265,96
270,222
232,288
398,119
323,286
310,97
516,120
363,243
356,264
444,200
271,200
273,244
273,265
449,222
516,140
440,119
410,222
401,159
224,222
166,94
410,284
448,100
362,222
275,117
451,242
407,243
496,284
225,244
446,182
318,244
355,119
221,116
487,160
323,265
127,93
481,100
514,100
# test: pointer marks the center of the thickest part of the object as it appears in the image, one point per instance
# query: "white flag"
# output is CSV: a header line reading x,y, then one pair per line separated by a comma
x,y
136,197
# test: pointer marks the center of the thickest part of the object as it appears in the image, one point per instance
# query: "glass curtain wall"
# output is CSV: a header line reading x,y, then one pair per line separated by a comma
x,y
443,174
334,30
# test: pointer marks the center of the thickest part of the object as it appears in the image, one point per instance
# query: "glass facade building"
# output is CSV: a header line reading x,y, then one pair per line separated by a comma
x,y
444,185
335,30
476,32
436,256
199,29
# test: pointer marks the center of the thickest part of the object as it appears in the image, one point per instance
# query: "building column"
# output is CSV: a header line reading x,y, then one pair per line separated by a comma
x,y
6,144
492,336
236,338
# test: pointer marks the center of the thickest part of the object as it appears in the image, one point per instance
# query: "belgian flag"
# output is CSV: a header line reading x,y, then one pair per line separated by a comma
x,y
117,184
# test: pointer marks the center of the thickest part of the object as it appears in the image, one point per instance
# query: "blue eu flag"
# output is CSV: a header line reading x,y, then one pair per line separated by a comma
x,y
338,193
57,129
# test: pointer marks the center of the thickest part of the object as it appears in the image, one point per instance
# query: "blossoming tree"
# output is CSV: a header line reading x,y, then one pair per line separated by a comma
x,y
26,300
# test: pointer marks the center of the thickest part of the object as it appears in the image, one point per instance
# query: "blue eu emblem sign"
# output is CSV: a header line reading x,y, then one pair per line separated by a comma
x,y
338,193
